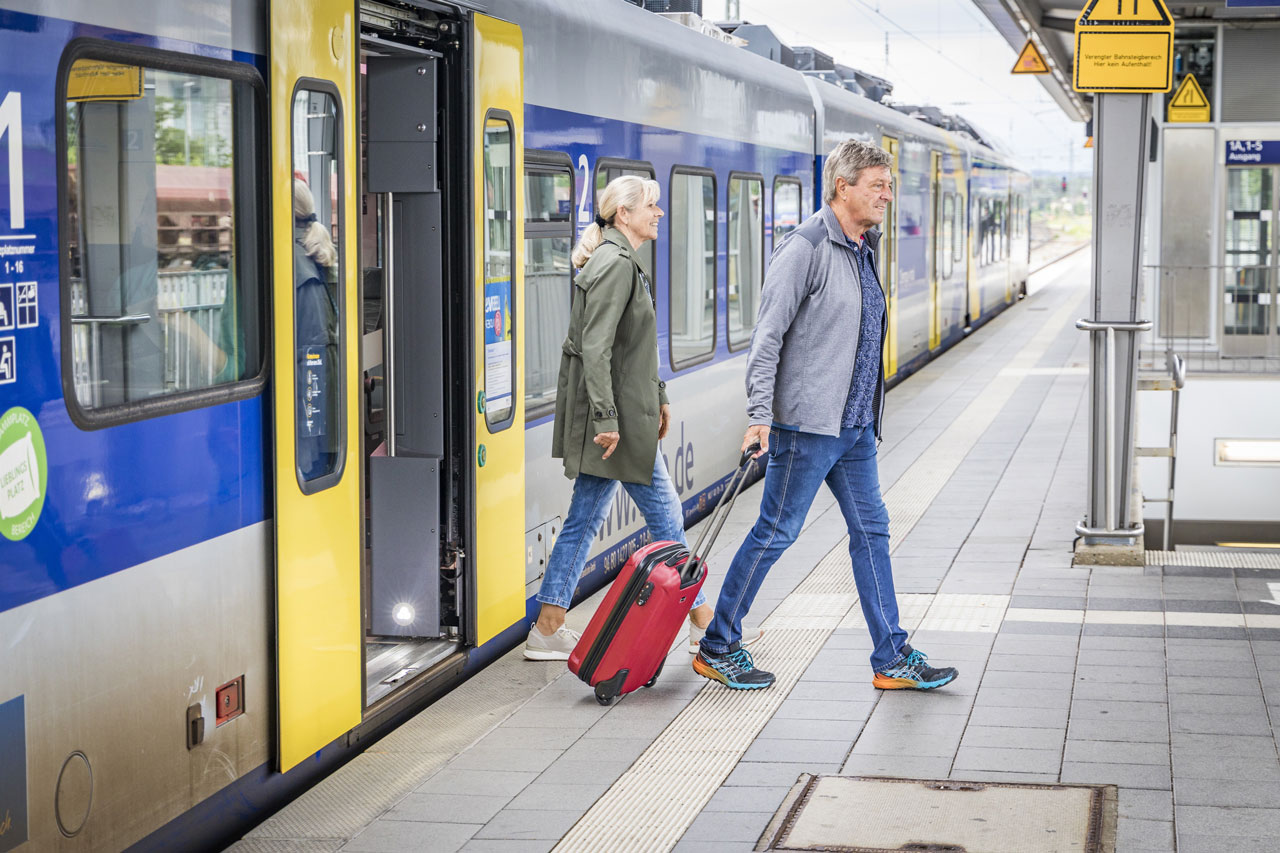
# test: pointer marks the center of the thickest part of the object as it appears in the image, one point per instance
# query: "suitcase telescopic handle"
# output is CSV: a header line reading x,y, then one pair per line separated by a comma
x,y
720,514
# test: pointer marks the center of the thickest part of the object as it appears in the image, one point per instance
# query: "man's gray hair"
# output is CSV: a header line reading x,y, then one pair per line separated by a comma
x,y
848,161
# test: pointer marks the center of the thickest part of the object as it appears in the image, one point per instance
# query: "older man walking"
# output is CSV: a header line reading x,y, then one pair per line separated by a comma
x,y
815,402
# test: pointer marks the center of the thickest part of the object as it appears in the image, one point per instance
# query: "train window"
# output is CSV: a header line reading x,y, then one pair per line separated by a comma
x,y
317,236
986,220
162,201
608,168
1002,227
499,261
957,229
786,207
548,285
746,255
946,237
692,320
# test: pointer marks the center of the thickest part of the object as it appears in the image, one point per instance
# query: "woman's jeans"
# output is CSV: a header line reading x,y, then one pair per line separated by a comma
x,y
799,462
592,497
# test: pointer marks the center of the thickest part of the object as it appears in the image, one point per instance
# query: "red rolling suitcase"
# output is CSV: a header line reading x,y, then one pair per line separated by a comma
x,y
627,641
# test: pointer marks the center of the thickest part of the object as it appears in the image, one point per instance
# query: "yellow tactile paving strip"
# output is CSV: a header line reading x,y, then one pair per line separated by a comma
x,y
652,804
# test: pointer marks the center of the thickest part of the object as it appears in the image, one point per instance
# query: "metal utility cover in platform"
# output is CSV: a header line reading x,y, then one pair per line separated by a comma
x,y
860,814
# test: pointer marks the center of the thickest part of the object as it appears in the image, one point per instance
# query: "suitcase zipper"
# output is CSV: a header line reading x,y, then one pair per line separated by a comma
x,y
614,622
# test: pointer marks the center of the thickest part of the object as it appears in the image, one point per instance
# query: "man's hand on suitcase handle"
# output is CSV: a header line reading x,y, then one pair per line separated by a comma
x,y
609,441
755,442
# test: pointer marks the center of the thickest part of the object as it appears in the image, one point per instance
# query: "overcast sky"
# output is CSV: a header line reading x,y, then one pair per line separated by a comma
x,y
941,52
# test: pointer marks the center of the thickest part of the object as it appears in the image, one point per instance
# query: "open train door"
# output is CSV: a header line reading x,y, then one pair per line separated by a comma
x,y
498,149
314,376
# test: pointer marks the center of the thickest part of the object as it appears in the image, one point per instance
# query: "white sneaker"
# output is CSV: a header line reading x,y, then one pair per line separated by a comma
x,y
696,634
538,646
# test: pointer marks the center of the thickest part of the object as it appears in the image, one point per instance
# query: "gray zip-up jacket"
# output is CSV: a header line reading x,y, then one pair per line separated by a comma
x,y
802,351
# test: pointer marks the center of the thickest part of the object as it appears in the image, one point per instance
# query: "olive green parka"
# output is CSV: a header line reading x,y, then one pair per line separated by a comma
x,y
609,368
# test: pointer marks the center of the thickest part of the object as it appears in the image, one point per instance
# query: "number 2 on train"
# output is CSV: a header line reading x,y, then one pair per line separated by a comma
x,y
11,132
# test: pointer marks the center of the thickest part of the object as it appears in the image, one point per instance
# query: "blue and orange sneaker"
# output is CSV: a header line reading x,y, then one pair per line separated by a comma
x,y
735,668
910,672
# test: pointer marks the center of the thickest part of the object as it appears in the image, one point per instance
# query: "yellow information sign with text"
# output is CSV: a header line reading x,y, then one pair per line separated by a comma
x,y
1124,46
1030,61
1189,103
92,80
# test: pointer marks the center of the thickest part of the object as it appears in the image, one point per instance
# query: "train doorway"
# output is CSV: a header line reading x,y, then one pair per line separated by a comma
x,y
442,297
1251,265
413,302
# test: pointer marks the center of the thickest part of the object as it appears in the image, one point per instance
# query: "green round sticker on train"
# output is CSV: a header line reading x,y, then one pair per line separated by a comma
x,y
24,473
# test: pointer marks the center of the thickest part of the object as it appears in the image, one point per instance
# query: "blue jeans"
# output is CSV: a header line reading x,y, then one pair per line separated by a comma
x,y
798,463
592,497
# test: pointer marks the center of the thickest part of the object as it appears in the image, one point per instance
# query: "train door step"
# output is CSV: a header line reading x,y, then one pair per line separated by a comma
x,y
861,813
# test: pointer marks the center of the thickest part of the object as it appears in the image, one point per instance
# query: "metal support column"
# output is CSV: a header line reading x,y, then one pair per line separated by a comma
x,y
1121,125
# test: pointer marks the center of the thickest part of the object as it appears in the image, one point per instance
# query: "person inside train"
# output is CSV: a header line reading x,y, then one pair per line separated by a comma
x,y
815,404
611,407
315,266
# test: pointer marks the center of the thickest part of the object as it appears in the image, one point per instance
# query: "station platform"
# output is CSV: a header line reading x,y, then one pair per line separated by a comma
x,y
1161,680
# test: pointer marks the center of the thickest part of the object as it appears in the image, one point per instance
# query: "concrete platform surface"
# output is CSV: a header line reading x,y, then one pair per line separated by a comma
x,y
1161,679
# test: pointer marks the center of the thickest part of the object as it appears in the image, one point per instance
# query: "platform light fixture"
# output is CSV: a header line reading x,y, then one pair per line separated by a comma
x,y
1251,452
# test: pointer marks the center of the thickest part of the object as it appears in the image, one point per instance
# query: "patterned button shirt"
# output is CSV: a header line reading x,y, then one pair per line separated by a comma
x,y
858,410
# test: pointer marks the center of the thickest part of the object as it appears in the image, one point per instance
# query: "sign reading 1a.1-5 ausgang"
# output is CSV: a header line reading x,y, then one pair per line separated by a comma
x,y
1253,152
1123,46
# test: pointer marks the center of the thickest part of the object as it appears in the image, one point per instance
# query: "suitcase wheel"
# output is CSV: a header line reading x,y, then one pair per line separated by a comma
x,y
654,680
607,691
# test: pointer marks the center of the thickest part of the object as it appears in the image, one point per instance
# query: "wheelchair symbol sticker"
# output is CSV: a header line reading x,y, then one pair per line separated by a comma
x,y
28,308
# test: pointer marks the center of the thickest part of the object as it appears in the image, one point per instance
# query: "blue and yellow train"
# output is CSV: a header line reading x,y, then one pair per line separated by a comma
x,y
282,292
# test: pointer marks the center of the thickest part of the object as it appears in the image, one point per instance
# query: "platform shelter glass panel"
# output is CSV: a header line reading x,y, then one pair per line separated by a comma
x,y
746,256
161,261
693,267
1249,262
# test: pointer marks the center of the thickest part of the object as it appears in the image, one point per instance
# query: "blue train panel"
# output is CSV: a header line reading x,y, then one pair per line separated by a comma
x,y
586,139
122,495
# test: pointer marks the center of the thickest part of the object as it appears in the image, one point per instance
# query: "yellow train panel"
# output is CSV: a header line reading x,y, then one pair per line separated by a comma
x,y
318,647
498,552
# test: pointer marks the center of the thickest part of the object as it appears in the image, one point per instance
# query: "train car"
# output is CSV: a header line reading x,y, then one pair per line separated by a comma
x,y
730,141
281,292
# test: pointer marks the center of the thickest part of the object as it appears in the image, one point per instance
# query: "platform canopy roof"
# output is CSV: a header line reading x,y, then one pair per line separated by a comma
x,y
1053,24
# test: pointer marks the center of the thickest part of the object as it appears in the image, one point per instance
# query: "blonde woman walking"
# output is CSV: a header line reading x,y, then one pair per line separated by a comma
x,y
611,407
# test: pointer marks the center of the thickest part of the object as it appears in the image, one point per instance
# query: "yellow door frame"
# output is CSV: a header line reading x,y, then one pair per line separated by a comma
x,y
497,553
889,265
319,655
972,217
935,265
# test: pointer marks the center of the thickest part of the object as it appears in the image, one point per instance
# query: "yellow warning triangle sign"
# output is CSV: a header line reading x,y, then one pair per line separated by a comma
x,y
1125,13
1030,61
1189,103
